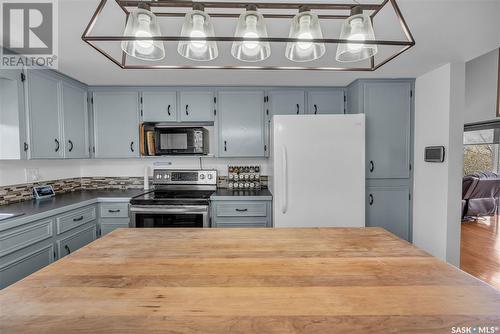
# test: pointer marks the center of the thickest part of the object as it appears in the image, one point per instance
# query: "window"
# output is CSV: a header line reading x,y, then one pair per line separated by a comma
x,y
481,151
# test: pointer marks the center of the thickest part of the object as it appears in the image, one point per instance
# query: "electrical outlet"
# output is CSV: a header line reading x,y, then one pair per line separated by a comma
x,y
32,174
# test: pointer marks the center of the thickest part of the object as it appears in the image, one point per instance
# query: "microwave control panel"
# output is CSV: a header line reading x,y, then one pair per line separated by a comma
x,y
169,176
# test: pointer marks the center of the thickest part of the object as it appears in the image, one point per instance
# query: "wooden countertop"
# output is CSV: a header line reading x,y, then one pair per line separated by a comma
x,y
334,280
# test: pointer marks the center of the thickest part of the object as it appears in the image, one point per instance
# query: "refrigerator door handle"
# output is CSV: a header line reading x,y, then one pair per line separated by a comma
x,y
284,207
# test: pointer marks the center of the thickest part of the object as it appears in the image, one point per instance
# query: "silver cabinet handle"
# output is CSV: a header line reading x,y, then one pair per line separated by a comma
x,y
284,207
57,144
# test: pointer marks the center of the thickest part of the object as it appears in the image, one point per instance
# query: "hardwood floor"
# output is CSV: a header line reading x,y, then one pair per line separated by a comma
x,y
480,249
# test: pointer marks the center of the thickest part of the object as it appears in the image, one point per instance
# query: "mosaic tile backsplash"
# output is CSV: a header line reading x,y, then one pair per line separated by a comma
x,y
23,192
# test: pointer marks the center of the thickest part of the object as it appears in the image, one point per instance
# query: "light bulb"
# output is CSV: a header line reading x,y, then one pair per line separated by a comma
x,y
198,31
356,35
251,32
144,46
305,32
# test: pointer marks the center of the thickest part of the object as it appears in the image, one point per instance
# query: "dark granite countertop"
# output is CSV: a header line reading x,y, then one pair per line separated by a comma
x,y
244,195
34,207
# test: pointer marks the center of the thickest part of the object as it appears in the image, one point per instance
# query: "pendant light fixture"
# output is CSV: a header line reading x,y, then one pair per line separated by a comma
x,y
305,25
142,23
197,24
358,27
251,25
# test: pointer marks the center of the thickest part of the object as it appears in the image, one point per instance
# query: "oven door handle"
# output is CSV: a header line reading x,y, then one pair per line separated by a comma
x,y
159,209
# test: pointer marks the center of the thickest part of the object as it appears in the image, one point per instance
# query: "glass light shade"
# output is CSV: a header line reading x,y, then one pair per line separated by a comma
x,y
142,22
251,25
305,25
198,24
356,28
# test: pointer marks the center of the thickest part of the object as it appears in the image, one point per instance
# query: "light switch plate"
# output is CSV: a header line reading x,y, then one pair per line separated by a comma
x,y
32,174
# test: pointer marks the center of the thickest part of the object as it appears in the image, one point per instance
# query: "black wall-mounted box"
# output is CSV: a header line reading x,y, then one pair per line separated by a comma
x,y
434,154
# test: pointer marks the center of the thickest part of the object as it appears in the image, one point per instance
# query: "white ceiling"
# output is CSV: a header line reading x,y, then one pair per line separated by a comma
x,y
444,30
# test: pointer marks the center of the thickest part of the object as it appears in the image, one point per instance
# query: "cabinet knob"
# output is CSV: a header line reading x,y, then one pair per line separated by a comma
x,y
370,201
57,145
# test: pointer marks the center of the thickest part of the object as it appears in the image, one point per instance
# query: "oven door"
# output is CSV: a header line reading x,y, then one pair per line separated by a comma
x,y
169,216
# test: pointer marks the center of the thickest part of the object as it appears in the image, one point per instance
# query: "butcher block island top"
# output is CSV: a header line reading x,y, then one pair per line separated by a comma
x,y
331,280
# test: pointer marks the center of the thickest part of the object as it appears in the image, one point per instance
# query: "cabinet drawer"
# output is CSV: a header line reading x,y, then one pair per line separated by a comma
x,y
241,209
25,265
256,222
15,239
114,210
75,241
74,219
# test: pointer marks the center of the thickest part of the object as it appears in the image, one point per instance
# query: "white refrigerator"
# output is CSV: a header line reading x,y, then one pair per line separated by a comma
x,y
318,170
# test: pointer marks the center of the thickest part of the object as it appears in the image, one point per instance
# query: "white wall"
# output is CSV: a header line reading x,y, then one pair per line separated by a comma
x,y
13,172
481,88
439,110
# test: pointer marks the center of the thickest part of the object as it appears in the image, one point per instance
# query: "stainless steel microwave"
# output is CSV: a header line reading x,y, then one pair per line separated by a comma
x,y
181,140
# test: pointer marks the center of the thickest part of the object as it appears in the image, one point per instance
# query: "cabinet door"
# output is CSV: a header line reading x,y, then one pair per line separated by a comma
x,y
159,106
75,241
74,107
326,101
389,207
13,144
387,109
241,124
45,137
287,102
196,106
116,124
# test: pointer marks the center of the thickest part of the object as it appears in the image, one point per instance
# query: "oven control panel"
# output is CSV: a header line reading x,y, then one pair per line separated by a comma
x,y
184,176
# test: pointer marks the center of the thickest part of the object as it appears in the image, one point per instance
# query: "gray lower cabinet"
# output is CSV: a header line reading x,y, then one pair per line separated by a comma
x,y
159,106
329,101
75,239
241,213
112,216
74,106
388,206
43,106
196,106
286,102
116,124
241,124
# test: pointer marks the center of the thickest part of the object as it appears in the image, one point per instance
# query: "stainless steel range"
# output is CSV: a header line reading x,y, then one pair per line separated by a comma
x,y
180,199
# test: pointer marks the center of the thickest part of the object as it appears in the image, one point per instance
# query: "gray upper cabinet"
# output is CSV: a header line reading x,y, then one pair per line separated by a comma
x,y
116,124
241,123
159,106
43,105
196,106
389,207
13,142
329,101
286,102
387,106
74,106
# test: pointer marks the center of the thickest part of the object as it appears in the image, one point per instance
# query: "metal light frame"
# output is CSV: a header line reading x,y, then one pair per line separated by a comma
x,y
165,4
